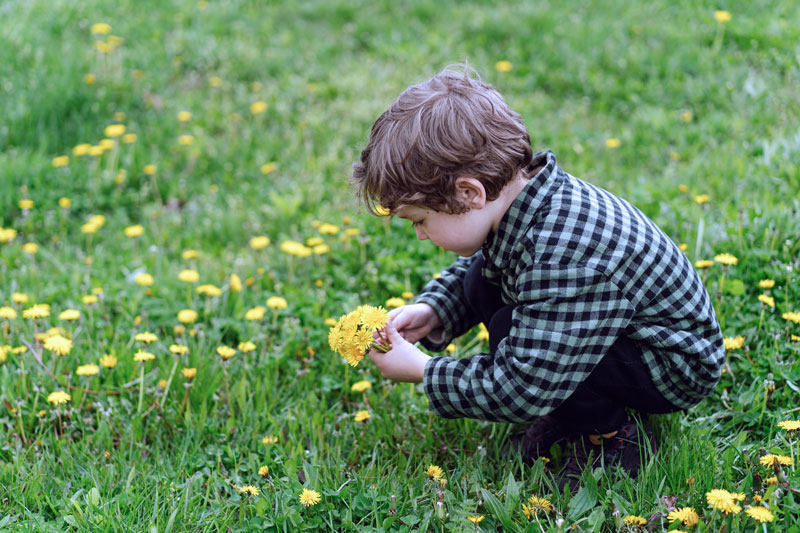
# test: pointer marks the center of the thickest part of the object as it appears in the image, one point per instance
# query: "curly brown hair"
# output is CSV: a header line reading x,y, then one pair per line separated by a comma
x,y
449,126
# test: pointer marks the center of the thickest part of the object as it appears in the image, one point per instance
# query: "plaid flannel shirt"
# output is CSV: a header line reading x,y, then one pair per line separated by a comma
x,y
582,267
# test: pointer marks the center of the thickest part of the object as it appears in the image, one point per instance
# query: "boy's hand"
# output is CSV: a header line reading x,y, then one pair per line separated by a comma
x,y
404,362
415,321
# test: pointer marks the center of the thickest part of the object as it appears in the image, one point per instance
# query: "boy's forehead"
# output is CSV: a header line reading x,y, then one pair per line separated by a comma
x,y
410,211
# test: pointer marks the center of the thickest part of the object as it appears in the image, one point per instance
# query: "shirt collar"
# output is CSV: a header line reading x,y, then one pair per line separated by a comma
x,y
498,246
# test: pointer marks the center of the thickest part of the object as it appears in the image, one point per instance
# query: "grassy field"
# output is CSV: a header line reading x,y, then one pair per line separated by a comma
x,y
242,120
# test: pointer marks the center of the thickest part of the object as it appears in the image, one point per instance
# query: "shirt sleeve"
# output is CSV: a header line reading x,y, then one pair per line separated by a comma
x,y
567,318
445,295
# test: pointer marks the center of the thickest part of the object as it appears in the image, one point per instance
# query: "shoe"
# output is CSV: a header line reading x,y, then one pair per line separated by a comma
x,y
535,441
628,450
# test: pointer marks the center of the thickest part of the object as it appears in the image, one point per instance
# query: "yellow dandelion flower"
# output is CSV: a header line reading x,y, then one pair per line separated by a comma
x,y
686,116
248,489
209,290
189,276
8,312
309,498
69,314
215,81
141,356
64,202
190,254
395,302
703,263
635,520
766,283
108,361
352,232
687,515
263,471
87,370
60,161
90,78
503,66
276,302
134,231
351,352
81,149
722,500
790,425
722,16
144,279
477,519
328,229
187,316
321,249
612,142
733,343
58,345
483,333
107,144
37,311
189,373
246,346
374,317
184,116
726,259
363,339
257,243
258,107
256,313
314,241
185,140
25,203
129,138
266,168
100,28
89,299
7,234
361,416
773,480
150,169
702,199
451,348
146,337
767,300
114,130
269,439
226,352
361,386
296,248
793,316
178,349
235,283
540,504
434,472
759,514
30,248
58,397
770,459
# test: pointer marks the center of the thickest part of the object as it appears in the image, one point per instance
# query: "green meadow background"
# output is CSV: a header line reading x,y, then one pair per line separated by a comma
x,y
655,101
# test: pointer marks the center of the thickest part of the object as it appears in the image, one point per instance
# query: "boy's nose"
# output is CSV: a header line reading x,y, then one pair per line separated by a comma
x,y
421,235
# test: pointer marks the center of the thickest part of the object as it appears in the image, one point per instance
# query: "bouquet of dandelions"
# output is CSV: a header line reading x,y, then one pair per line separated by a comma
x,y
352,335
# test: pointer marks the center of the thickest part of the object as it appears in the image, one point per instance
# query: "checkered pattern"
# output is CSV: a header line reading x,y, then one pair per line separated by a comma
x,y
583,267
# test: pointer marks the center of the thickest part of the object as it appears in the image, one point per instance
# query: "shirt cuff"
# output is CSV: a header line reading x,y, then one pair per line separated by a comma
x,y
434,381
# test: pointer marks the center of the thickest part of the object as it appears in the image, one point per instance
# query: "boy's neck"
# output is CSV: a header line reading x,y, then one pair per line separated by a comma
x,y
509,194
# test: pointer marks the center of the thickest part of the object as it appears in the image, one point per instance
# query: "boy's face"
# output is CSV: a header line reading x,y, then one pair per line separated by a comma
x,y
463,233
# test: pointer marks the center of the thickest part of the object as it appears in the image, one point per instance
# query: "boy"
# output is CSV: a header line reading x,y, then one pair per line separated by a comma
x,y
591,309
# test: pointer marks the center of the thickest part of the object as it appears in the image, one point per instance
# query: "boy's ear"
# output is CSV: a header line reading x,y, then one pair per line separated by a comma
x,y
471,192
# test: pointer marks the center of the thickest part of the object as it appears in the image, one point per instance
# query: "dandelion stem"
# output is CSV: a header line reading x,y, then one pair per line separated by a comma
x,y
141,388
169,382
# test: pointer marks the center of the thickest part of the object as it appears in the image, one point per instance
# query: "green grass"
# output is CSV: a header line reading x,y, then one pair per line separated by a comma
x,y
326,69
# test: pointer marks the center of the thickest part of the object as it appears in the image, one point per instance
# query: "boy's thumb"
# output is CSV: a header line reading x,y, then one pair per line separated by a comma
x,y
393,335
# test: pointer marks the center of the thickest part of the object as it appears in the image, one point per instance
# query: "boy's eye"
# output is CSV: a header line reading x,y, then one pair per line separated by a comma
x,y
417,223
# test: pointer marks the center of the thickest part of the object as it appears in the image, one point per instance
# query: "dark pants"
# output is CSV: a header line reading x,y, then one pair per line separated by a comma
x,y
619,381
